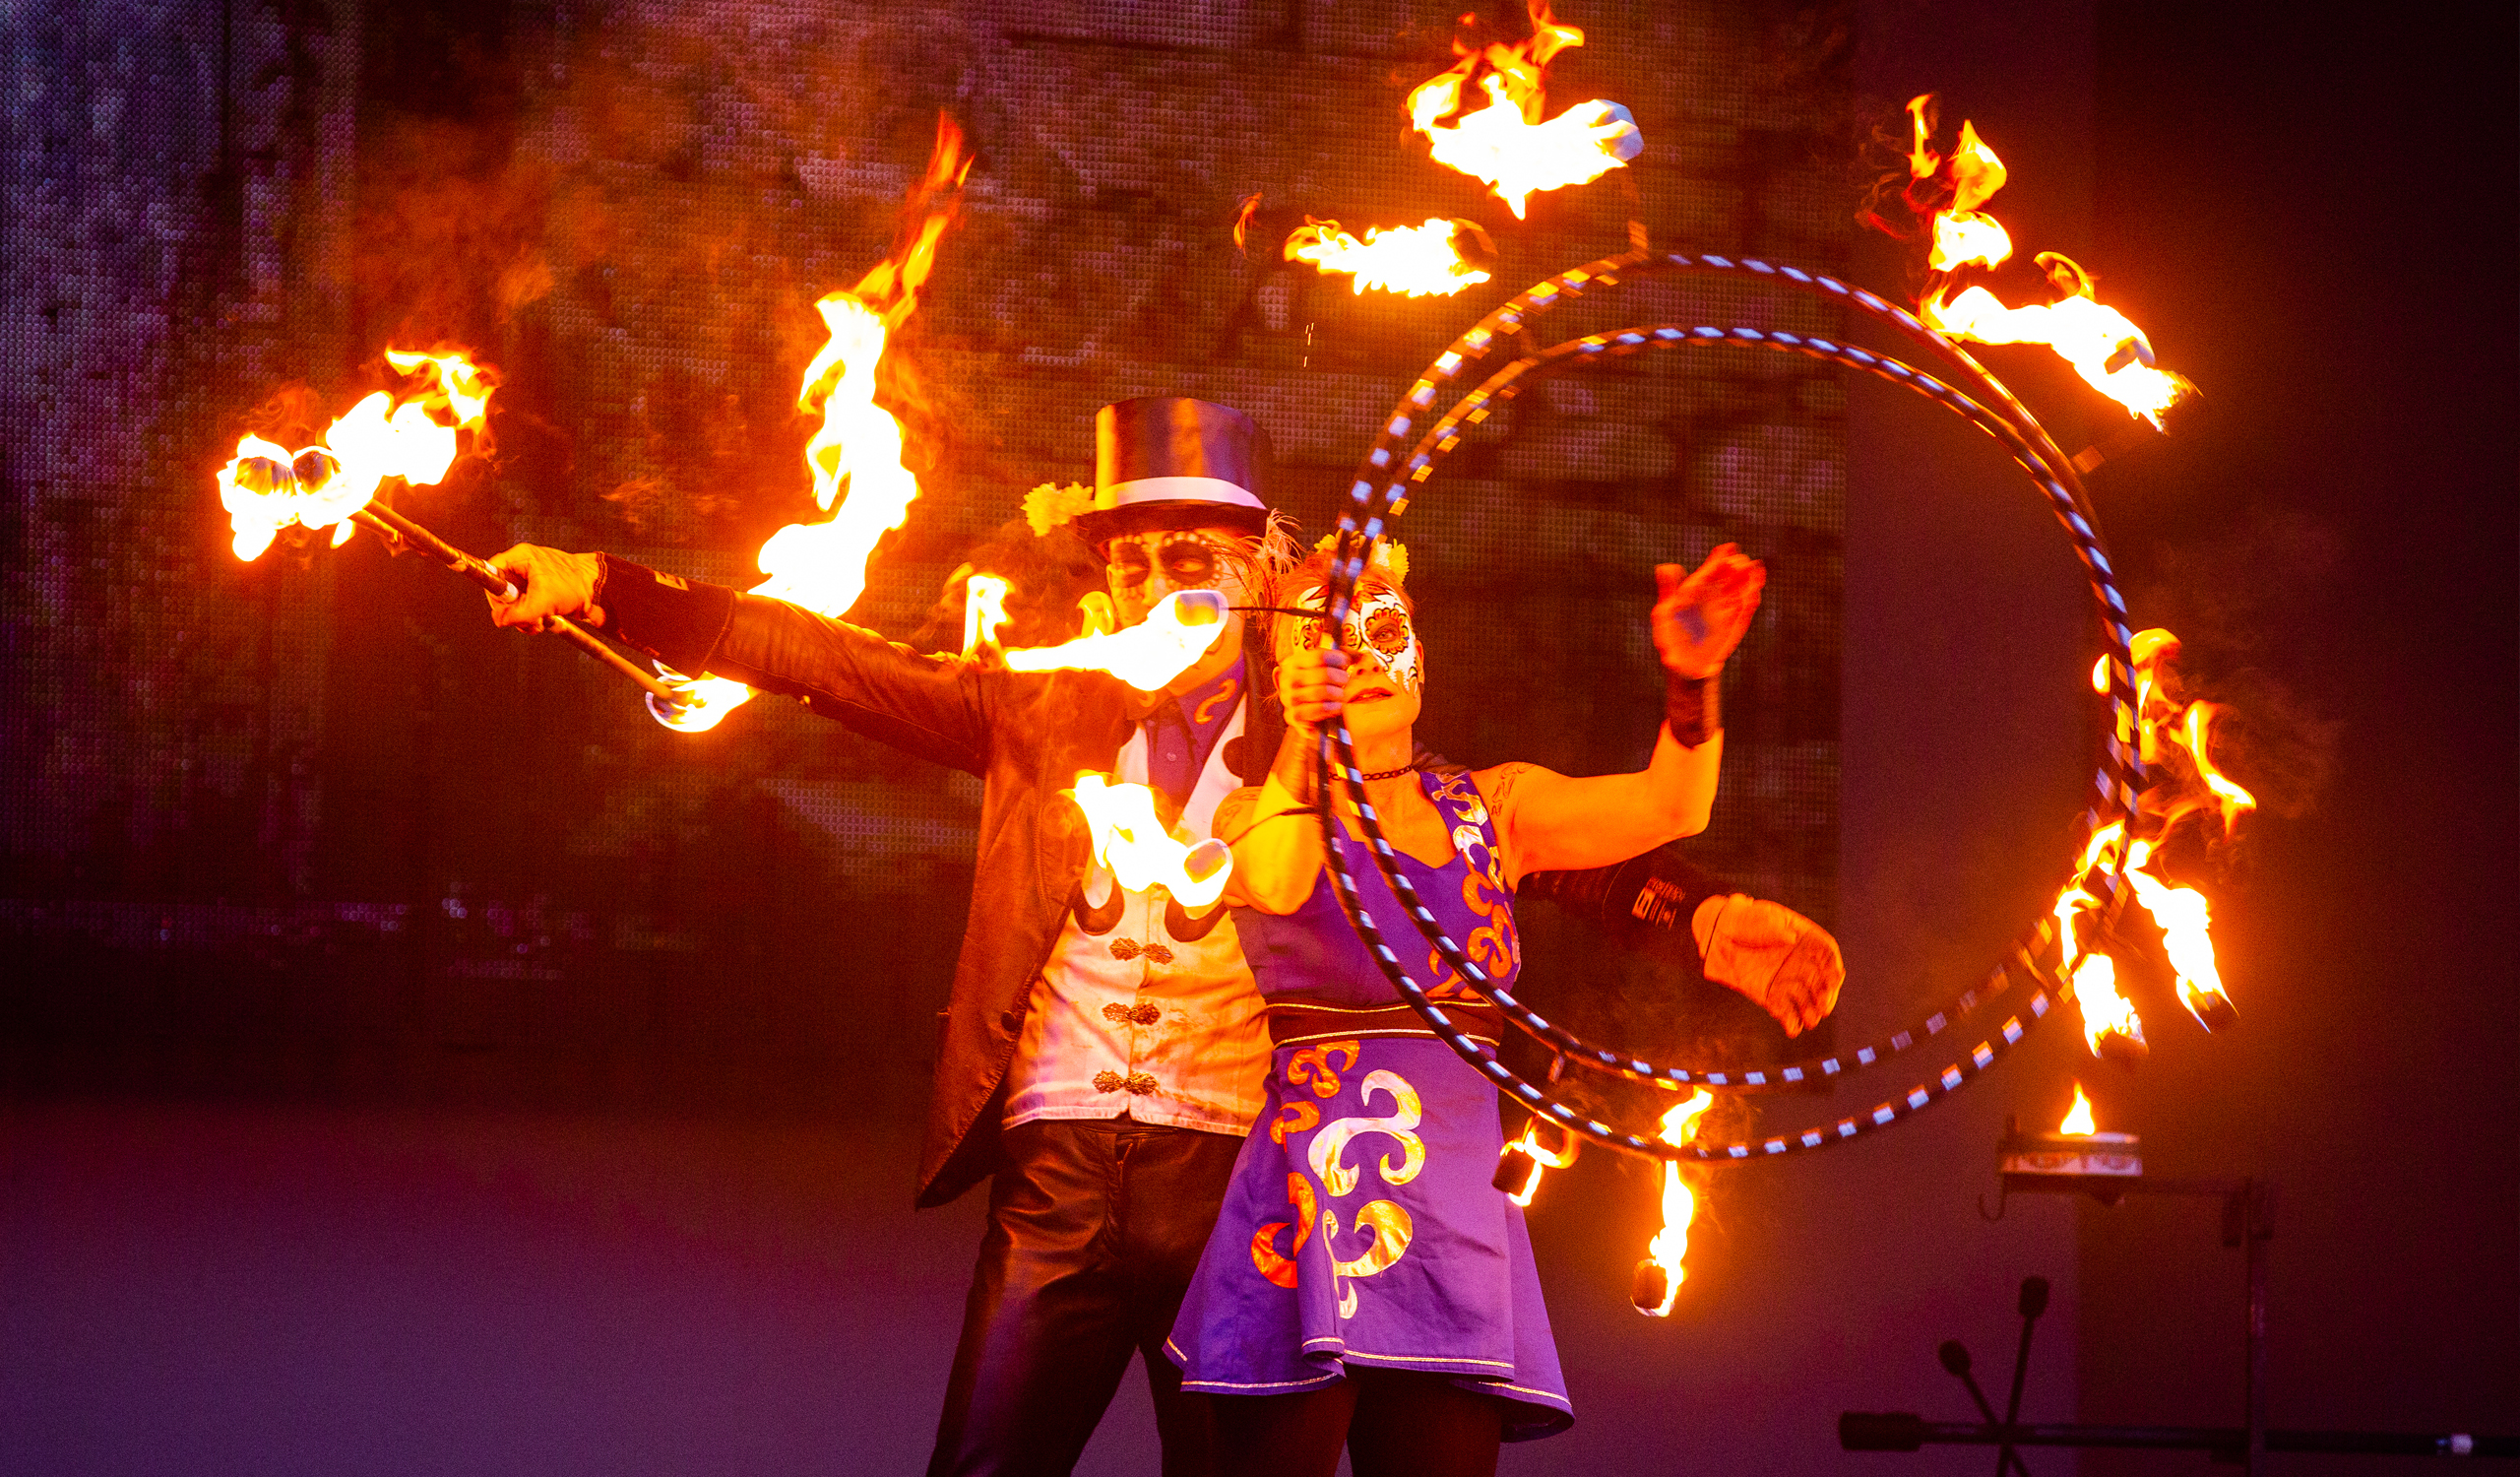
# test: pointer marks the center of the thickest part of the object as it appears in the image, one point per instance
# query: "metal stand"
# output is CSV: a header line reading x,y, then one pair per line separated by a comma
x,y
2248,1222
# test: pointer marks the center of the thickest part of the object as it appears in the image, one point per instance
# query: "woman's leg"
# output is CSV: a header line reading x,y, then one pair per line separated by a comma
x,y
1283,1435
1409,1423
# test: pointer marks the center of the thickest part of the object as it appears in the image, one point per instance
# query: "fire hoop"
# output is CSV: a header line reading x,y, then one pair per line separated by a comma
x,y
1381,493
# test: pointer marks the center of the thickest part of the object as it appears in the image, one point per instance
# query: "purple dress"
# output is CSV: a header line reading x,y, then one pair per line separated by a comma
x,y
1362,1226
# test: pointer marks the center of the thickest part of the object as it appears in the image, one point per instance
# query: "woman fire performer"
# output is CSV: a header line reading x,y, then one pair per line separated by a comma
x,y
1366,1285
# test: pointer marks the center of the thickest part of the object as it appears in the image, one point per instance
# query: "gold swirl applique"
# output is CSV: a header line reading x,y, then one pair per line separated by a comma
x,y
1391,1229
1206,715
1264,1242
1312,1065
1292,1118
1327,1153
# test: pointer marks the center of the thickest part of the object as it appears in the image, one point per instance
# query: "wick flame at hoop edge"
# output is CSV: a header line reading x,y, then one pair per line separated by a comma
x,y
1680,1204
1543,1160
2105,346
1417,261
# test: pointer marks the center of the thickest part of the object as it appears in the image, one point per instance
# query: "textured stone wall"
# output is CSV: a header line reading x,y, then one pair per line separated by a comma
x,y
629,209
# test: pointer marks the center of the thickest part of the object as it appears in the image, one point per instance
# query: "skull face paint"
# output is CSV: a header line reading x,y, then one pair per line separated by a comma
x,y
1143,568
1379,623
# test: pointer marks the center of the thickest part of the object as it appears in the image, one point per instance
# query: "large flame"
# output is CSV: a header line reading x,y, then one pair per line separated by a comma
x,y
2164,727
1504,142
1130,840
984,613
1419,261
415,434
2186,926
857,451
2104,344
1680,1204
1172,639
2078,1119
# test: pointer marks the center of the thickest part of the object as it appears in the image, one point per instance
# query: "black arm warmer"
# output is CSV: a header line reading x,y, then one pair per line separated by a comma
x,y
1657,893
1691,706
675,621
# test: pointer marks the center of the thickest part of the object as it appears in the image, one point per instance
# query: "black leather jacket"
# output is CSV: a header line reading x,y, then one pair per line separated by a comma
x,y
1025,735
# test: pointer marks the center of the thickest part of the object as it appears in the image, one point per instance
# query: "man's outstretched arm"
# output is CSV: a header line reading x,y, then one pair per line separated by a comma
x,y
932,706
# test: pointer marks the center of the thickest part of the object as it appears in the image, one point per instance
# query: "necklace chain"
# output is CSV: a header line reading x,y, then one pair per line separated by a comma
x,y
1391,774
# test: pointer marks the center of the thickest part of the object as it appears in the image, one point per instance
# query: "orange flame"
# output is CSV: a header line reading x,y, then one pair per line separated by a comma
x,y
856,450
2169,726
1504,142
2187,925
2104,344
1243,221
2094,974
1680,1204
2078,1119
983,611
1140,853
1172,639
1420,261
2231,798
414,434
2181,912
1546,1159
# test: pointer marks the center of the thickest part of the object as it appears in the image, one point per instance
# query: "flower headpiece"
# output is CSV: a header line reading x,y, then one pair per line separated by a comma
x,y
1390,557
1050,506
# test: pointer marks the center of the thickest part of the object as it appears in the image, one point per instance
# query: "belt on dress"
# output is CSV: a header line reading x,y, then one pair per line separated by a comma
x,y
1296,1021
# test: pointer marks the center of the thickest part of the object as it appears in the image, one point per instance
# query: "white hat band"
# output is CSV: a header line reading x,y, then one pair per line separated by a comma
x,y
1182,490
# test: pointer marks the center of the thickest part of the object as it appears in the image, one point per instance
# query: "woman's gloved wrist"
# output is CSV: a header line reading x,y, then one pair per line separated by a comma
x,y
1692,706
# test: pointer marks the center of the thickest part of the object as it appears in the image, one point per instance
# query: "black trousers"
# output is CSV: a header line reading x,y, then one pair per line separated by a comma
x,y
1094,1230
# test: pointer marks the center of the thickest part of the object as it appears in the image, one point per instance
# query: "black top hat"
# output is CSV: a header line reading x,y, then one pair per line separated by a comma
x,y
1166,461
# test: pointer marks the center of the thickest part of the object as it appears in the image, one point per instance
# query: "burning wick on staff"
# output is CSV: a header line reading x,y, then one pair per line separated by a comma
x,y
855,453
1140,851
267,487
1415,261
1175,635
1504,142
1659,1276
2104,344
414,434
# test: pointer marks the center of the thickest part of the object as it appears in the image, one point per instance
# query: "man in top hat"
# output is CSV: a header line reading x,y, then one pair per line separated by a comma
x,y
1102,1051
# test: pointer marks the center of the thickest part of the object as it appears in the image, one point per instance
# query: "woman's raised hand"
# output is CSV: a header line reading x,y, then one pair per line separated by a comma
x,y
1312,686
549,582
1700,616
